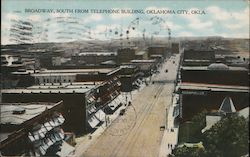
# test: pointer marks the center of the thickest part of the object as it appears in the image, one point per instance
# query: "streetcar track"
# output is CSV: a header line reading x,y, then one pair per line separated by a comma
x,y
132,135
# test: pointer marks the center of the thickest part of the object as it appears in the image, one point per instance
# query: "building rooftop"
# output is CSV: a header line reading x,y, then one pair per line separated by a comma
x,y
157,46
97,53
55,88
217,66
227,106
155,55
101,70
18,113
214,67
143,61
141,52
212,87
63,71
244,112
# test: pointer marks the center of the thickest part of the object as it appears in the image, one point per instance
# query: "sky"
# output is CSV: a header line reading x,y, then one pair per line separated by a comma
x,y
156,18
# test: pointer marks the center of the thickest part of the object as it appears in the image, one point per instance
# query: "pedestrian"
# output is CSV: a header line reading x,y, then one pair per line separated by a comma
x,y
168,145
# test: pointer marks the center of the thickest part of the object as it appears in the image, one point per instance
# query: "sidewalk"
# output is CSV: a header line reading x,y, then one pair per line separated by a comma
x,y
170,136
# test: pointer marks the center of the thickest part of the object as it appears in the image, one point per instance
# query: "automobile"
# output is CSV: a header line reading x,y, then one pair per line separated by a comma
x,y
122,112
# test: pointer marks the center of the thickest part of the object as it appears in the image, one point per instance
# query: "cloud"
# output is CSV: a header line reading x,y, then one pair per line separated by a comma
x,y
218,13
103,28
231,20
242,17
185,34
12,16
36,18
93,17
232,23
171,25
233,26
135,33
5,25
200,25
104,32
5,40
195,22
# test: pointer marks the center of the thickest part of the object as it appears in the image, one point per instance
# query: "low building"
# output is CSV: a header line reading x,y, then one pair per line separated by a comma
x,y
32,129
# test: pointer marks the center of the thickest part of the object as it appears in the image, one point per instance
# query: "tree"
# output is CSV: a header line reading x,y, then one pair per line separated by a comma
x,y
199,122
228,138
188,152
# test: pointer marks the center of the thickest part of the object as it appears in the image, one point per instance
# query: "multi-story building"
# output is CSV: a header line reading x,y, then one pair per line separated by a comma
x,y
78,97
32,129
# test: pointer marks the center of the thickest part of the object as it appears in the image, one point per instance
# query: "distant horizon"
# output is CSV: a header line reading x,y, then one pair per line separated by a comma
x,y
180,38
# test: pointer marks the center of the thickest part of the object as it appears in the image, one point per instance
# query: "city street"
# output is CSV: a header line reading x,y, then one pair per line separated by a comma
x,y
137,132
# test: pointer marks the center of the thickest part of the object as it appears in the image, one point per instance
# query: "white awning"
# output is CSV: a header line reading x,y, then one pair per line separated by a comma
x,y
66,150
42,151
32,139
100,115
93,121
48,126
91,109
61,119
114,104
42,131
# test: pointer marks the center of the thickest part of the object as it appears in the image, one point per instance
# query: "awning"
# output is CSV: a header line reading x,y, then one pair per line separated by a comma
x,y
32,139
113,105
91,109
61,119
42,131
93,121
48,126
100,115
66,150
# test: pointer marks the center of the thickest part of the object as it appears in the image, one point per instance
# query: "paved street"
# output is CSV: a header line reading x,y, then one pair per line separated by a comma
x,y
137,133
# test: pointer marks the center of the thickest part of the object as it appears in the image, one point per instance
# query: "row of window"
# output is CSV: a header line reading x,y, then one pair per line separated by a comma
x,y
53,80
